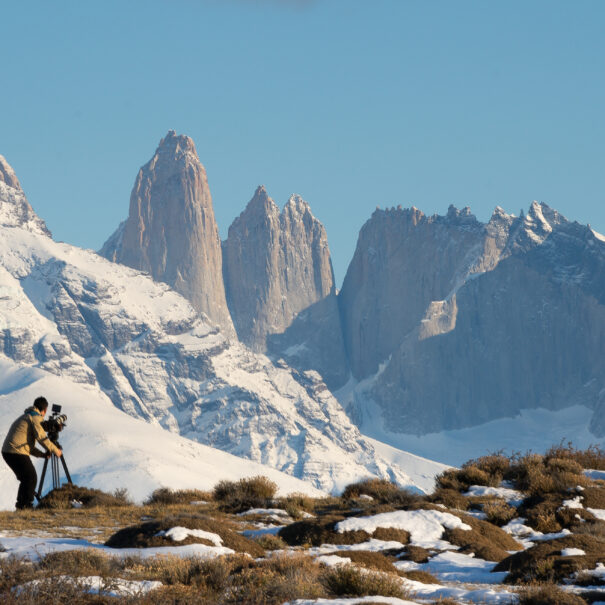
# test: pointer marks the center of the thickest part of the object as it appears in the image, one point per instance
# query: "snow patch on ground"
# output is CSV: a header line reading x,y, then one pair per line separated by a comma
x,y
178,534
35,548
599,513
572,552
110,587
425,526
512,496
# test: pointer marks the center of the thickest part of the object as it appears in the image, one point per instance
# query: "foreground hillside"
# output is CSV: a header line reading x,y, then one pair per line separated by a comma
x,y
527,530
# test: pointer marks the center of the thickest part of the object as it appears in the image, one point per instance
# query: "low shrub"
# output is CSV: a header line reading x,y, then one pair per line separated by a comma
x,y
146,534
167,496
592,457
417,575
594,497
548,594
62,498
368,559
251,492
449,497
382,491
499,512
495,464
417,554
348,581
316,532
86,562
391,533
543,562
276,580
270,542
449,480
485,540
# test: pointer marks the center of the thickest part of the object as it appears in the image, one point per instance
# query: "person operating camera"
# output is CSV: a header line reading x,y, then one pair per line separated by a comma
x,y
20,444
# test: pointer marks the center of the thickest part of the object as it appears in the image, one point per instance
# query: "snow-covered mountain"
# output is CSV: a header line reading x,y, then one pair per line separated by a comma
x,y
114,332
107,449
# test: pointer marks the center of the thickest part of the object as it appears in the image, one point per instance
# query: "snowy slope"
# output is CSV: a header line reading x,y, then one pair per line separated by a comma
x,y
72,314
531,430
107,449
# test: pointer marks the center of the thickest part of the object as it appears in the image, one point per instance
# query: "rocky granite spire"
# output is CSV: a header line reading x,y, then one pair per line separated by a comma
x,y
280,283
15,210
171,231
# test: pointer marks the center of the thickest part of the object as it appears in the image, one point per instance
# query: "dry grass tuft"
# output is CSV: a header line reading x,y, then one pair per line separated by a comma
x,y
484,539
251,492
417,554
548,594
391,533
62,497
145,534
368,559
499,512
316,532
544,563
348,581
418,575
382,491
592,457
449,497
271,542
166,496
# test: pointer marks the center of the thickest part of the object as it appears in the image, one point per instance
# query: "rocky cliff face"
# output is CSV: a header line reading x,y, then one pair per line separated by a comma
x,y
171,232
280,285
491,319
403,261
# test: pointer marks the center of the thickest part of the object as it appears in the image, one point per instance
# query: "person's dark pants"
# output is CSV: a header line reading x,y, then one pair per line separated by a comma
x,y
24,469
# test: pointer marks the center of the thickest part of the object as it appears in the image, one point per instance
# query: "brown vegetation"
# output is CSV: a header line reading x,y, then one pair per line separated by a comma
x,y
368,559
349,581
382,491
544,562
315,532
164,496
62,498
251,492
146,534
548,594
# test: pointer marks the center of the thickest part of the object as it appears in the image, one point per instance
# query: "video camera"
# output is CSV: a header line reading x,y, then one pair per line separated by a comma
x,y
54,424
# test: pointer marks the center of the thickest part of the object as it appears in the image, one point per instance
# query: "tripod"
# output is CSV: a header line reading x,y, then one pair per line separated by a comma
x,y
54,467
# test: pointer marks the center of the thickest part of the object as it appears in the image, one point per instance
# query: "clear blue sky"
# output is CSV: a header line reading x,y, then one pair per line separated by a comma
x,y
350,104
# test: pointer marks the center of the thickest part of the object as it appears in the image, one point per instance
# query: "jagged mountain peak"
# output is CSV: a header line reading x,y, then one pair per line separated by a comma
x,y
297,203
261,201
7,174
15,210
176,143
171,231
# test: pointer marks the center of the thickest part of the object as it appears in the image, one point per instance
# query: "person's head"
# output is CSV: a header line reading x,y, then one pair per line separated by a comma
x,y
41,405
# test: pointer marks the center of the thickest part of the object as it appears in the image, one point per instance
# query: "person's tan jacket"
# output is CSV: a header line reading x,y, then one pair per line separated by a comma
x,y
24,433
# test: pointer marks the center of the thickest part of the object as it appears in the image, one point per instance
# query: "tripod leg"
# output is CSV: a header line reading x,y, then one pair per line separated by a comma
x,y
55,472
66,471
39,492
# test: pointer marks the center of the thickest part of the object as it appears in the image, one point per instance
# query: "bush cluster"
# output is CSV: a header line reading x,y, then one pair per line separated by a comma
x,y
238,496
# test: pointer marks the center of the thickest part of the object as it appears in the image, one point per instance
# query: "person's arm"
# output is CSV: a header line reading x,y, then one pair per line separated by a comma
x,y
43,438
38,453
